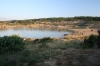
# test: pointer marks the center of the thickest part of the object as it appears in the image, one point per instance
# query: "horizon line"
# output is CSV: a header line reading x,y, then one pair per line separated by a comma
x,y
8,19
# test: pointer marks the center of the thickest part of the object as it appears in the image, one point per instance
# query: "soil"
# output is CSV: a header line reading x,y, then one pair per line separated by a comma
x,y
81,33
76,57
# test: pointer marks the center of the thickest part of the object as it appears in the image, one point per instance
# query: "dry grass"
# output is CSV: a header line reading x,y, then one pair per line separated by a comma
x,y
76,57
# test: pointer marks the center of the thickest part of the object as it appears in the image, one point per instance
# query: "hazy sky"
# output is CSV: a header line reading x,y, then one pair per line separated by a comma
x,y
29,9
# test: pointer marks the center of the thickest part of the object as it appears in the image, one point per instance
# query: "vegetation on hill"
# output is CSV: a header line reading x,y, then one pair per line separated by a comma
x,y
59,19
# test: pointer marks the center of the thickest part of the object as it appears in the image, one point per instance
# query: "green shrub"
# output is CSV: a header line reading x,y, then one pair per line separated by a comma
x,y
9,62
43,64
90,42
23,59
38,56
12,43
43,40
46,54
36,40
26,53
46,39
73,44
25,56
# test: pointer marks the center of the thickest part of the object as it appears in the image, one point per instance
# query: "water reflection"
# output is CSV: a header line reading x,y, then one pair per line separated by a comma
x,y
33,33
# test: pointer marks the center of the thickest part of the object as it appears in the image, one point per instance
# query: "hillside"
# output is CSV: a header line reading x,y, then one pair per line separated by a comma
x,y
54,23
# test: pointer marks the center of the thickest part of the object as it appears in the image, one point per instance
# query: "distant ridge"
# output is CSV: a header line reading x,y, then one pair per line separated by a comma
x,y
4,19
86,18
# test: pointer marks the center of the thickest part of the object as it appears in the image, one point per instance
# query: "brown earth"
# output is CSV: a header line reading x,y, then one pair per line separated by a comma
x,y
87,57
81,33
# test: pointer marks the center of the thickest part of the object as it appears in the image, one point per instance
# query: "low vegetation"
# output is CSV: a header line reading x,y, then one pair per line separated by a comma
x,y
54,23
11,44
90,42
37,52
59,19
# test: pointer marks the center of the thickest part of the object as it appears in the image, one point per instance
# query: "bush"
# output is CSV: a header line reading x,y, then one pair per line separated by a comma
x,y
46,39
46,54
43,42
25,56
36,40
38,56
12,43
90,42
26,53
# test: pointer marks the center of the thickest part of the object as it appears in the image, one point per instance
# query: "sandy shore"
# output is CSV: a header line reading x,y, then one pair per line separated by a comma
x,y
76,33
81,33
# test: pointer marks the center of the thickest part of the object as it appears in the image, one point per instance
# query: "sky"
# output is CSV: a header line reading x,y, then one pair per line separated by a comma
x,y
33,9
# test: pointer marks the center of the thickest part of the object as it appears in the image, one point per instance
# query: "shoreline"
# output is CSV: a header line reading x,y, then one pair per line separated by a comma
x,y
76,33
81,33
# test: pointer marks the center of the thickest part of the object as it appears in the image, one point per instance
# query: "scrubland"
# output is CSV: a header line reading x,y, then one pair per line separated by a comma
x,y
76,49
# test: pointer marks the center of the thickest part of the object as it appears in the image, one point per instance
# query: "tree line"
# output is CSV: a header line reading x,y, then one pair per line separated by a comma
x,y
55,19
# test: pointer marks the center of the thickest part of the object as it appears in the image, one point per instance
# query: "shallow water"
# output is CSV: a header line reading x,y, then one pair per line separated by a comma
x,y
33,33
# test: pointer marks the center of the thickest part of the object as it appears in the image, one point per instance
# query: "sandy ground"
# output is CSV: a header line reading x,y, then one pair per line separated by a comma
x,y
79,33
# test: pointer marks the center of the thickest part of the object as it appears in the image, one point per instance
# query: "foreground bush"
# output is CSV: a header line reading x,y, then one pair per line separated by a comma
x,y
12,43
43,40
90,42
